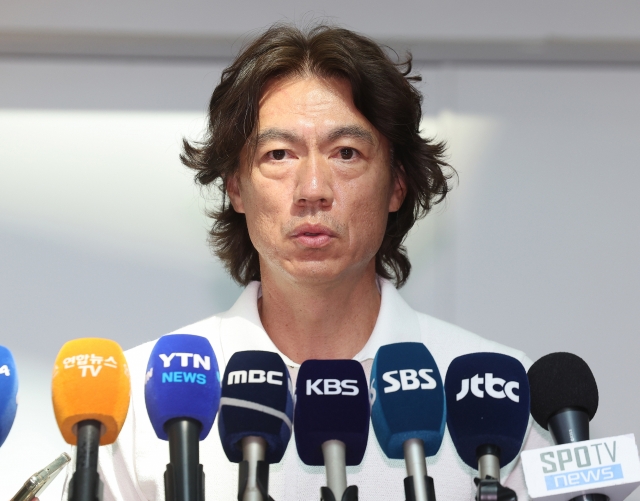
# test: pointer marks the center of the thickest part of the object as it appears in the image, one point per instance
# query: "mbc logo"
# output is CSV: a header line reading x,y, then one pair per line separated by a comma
x,y
255,376
495,387
410,379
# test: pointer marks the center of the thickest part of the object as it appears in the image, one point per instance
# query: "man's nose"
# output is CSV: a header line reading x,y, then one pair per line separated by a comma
x,y
313,183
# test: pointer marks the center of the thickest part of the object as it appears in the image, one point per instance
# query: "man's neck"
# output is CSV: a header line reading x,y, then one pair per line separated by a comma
x,y
321,321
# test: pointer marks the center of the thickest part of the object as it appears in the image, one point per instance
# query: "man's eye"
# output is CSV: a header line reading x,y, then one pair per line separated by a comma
x,y
347,153
278,154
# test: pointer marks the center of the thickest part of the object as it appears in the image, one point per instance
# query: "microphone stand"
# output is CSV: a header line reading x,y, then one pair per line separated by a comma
x,y
253,477
335,452
184,477
418,486
489,487
85,484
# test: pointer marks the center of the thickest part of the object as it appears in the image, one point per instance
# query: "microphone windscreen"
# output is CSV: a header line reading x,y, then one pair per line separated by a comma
x,y
408,398
8,392
182,381
91,381
487,404
560,380
332,403
256,401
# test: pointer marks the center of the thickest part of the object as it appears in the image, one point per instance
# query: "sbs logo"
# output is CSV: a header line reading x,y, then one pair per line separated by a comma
x,y
410,379
490,383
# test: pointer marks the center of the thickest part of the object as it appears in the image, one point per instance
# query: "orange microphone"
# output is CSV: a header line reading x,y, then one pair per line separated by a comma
x,y
90,391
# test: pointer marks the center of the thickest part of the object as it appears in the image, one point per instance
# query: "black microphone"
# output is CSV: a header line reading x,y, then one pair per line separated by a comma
x,y
255,419
331,420
487,398
564,398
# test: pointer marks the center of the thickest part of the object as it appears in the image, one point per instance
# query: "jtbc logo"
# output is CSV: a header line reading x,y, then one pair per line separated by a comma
x,y
255,376
198,360
409,380
490,384
347,387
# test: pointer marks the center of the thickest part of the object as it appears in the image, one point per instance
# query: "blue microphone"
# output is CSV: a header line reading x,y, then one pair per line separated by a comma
x,y
256,417
487,414
408,411
331,420
8,392
182,394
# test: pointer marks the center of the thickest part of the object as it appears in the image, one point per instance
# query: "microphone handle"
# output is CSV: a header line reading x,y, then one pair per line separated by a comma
x,y
488,461
184,478
85,484
416,463
253,479
569,425
335,464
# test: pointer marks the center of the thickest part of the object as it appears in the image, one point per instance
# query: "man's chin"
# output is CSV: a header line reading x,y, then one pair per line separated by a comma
x,y
316,272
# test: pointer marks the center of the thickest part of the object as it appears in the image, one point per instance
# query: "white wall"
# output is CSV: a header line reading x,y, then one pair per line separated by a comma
x,y
102,233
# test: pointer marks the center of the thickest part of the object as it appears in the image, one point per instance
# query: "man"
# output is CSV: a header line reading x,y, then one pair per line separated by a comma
x,y
313,141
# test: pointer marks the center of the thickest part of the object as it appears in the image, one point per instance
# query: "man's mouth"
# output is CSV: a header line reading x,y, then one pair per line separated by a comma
x,y
313,236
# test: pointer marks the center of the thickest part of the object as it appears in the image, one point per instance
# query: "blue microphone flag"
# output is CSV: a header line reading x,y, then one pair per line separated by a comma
x,y
182,381
257,401
487,404
407,398
8,392
332,403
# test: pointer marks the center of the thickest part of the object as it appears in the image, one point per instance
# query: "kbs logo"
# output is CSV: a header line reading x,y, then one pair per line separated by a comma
x,y
197,360
255,376
409,380
490,384
347,387
5,371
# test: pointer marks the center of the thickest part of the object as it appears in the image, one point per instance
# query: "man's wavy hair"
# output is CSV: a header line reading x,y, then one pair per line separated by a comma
x,y
382,91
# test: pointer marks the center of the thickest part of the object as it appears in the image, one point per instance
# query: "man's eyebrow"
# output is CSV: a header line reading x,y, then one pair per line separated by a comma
x,y
354,131
274,134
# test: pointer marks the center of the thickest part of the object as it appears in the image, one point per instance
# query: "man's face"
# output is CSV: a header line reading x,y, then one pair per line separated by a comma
x,y
320,188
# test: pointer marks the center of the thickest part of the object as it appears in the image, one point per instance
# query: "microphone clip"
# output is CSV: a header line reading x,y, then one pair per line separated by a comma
x,y
350,494
489,489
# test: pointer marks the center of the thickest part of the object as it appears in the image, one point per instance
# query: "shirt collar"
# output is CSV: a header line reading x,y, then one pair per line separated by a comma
x,y
241,328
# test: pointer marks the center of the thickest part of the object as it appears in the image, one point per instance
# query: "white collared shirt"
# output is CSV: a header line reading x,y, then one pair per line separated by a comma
x,y
133,468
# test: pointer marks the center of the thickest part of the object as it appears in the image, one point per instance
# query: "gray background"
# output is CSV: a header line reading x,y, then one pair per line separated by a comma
x,y
102,232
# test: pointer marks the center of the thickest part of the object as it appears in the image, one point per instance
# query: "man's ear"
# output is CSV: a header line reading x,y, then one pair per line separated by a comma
x,y
233,190
399,189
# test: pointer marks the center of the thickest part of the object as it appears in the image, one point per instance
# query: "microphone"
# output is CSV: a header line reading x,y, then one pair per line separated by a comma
x,y
255,421
331,420
564,398
8,392
90,392
487,398
408,411
182,395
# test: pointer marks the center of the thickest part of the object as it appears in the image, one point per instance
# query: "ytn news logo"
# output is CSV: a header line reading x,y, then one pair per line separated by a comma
x,y
185,360
495,387
198,360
